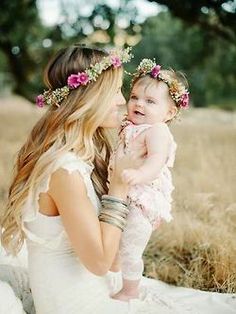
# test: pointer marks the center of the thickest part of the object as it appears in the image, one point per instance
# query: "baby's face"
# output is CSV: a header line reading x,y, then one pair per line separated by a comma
x,y
149,104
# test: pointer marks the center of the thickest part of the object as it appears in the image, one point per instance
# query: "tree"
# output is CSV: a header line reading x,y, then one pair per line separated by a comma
x,y
210,70
215,16
102,18
19,42
27,44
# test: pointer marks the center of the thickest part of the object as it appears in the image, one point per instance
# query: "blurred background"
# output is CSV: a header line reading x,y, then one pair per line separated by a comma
x,y
198,37
198,248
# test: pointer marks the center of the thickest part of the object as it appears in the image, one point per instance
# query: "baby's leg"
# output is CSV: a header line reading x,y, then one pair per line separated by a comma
x,y
133,242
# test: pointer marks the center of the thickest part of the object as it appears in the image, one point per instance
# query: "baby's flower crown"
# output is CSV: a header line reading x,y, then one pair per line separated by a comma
x,y
54,97
177,90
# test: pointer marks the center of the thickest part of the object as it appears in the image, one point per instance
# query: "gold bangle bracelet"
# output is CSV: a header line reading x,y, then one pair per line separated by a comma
x,y
114,198
113,212
112,217
107,215
112,223
119,207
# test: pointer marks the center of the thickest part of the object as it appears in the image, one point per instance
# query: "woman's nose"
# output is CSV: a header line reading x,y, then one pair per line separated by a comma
x,y
122,100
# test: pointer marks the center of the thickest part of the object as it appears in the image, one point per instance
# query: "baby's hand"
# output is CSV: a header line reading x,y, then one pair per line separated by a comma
x,y
132,176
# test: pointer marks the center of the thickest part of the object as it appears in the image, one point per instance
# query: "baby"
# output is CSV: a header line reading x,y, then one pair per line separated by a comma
x,y
156,98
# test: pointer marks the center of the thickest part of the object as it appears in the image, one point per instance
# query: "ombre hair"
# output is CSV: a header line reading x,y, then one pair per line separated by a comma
x,y
74,126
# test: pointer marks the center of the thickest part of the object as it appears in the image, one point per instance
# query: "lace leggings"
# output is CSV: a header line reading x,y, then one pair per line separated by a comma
x,y
133,243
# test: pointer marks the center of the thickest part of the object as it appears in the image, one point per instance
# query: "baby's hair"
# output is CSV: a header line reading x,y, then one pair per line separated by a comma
x,y
176,75
169,75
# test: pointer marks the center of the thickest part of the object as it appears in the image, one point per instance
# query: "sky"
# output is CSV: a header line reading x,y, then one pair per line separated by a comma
x,y
49,10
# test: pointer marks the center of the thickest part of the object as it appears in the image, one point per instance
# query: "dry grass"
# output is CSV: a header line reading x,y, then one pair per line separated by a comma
x,y
198,248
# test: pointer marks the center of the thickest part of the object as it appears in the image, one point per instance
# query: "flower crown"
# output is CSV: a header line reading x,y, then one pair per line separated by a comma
x,y
177,90
115,58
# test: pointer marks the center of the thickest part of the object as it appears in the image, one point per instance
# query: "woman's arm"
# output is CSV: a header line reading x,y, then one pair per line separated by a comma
x,y
116,265
95,242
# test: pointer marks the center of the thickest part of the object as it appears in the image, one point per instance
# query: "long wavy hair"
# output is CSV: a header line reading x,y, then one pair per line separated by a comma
x,y
75,125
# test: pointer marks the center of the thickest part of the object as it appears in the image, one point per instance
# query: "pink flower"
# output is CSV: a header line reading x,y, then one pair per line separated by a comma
x,y
184,101
83,78
156,71
73,81
40,101
116,62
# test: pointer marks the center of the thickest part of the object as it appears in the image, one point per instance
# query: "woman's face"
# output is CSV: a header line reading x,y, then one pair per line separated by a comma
x,y
113,118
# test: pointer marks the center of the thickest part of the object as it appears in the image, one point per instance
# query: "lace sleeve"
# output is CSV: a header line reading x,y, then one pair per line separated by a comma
x,y
30,210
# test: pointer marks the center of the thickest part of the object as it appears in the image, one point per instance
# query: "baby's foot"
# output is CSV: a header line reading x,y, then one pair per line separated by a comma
x,y
124,296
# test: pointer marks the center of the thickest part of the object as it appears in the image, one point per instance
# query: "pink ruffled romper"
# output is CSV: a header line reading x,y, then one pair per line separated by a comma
x,y
150,204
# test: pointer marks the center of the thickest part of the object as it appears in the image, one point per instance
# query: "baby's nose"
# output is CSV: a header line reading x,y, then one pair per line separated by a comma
x,y
139,103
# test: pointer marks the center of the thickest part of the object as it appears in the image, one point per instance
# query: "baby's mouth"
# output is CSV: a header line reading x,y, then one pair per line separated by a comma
x,y
138,113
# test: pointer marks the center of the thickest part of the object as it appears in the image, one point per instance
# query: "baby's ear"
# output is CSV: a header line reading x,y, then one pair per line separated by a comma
x,y
172,113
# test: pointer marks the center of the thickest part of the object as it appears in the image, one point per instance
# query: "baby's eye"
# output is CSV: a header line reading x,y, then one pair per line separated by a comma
x,y
134,97
150,101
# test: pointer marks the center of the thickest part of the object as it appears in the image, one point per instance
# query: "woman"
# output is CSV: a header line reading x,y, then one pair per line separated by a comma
x,y
52,200
59,199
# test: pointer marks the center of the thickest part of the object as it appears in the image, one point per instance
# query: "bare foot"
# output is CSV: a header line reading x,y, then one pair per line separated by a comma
x,y
122,296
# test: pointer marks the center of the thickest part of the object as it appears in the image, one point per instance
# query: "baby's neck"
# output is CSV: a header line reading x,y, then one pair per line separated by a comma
x,y
150,123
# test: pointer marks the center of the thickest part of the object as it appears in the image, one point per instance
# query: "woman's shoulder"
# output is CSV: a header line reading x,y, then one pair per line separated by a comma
x,y
71,162
77,171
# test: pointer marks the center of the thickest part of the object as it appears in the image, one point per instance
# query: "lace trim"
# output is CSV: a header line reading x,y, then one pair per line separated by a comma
x,y
151,300
71,163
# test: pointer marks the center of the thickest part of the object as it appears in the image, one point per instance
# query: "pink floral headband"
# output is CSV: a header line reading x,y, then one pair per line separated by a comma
x,y
115,59
177,90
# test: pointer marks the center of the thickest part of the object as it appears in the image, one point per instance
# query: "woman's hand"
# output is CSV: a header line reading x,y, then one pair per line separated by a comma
x,y
132,176
121,162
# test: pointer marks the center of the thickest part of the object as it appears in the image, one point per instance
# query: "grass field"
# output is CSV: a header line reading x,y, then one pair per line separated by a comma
x,y
198,248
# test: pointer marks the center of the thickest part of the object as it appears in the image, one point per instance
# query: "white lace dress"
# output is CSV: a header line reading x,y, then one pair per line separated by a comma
x,y
60,283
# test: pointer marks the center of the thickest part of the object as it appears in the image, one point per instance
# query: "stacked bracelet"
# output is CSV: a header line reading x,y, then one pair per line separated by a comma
x,y
114,211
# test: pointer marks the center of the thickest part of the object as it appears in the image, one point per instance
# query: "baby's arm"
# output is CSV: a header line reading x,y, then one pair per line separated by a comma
x,y
157,141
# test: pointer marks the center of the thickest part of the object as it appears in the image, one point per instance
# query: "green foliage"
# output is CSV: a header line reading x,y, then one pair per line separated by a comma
x,y
217,17
22,37
21,43
194,48
210,71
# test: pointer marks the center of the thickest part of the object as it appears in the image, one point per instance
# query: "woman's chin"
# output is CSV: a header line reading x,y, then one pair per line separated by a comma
x,y
111,124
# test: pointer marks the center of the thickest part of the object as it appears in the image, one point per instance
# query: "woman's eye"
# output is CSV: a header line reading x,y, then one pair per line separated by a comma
x,y
133,97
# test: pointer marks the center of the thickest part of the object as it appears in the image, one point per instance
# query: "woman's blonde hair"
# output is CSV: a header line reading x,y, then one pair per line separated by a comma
x,y
75,125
